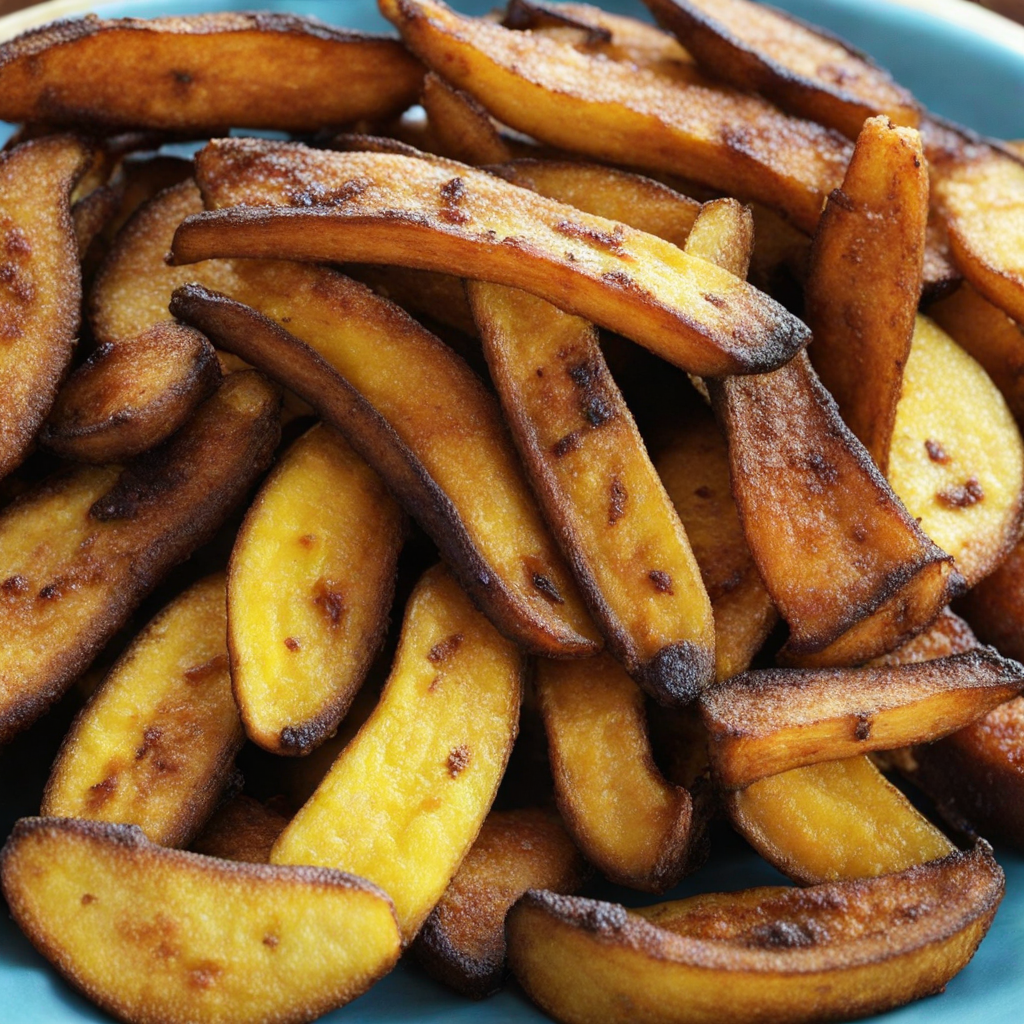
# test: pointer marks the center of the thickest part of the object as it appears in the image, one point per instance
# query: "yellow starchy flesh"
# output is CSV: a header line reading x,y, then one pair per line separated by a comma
x,y
309,590
188,74
40,283
612,110
599,490
636,827
155,744
790,956
406,798
273,199
957,459
160,936
804,69
837,820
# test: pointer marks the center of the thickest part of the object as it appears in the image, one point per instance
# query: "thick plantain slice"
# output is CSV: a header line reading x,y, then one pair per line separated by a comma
x,y
461,127
790,956
837,820
769,721
633,825
462,943
803,68
160,936
273,199
127,397
599,491
155,744
407,797
241,829
195,74
310,586
957,459
613,111
40,283
431,430
865,277
81,550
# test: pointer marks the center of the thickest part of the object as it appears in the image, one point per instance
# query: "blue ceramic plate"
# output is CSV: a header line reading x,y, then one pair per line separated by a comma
x,y
961,62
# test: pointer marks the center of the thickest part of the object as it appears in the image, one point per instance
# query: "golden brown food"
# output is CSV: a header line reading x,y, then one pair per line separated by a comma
x,y
127,397
201,73
155,744
40,283
406,798
442,297
81,550
864,280
441,215
833,952
769,721
957,459
142,180
947,635
803,68
634,826
837,820
310,586
241,829
462,128
462,943
599,491
612,110
164,937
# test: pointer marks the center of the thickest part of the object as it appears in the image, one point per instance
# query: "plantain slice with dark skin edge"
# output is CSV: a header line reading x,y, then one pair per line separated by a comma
x,y
82,549
611,110
40,283
195,74
433,433
270,199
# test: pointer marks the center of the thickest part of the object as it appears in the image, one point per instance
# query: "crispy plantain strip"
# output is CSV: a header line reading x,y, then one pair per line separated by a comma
x,y
193,74
241,829
81,550
612,110
462,128
282,199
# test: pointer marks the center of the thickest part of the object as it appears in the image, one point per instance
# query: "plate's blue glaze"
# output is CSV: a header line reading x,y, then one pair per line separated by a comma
x,y
962,76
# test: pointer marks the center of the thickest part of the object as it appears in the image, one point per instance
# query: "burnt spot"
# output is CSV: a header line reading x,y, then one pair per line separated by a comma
x,y
87,898
969,493
57,589
17,244
715,300
859,533
182,77
567,444
596,403
271,941
444,649
458,759
597,411
453,193
150,737
662,581
839,198
201,673
781,935
299,739
317,194
704,492
205,974
820,474
936,452
547,587
584,375
677,673
611,241
16,584
328,598
618,496
100,793
307,540
862,730
620,279
292,643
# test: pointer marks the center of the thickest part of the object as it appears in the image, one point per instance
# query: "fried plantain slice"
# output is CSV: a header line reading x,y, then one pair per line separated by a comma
x,y
769,721
803,68
442,297
155,744
462,128
833,952
310,586
634,826
836,820
200,73
462,943
616,112
864,280
283,199
156,935
432,431
241,829
81,550
127,397
407,797
40,283
957,459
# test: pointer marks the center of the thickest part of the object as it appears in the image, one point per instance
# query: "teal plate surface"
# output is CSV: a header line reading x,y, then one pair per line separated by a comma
x,y
967,77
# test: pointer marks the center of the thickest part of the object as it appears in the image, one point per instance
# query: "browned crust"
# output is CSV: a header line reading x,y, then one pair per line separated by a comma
x,y
527,14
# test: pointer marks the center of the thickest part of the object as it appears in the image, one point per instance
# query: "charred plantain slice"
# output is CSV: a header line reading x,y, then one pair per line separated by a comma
x,y
155,744
803,68
310,586
195,74
614,111
40,283
832,952
81,550
407,797
632,824
272,199
462,943
188,936
769,721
